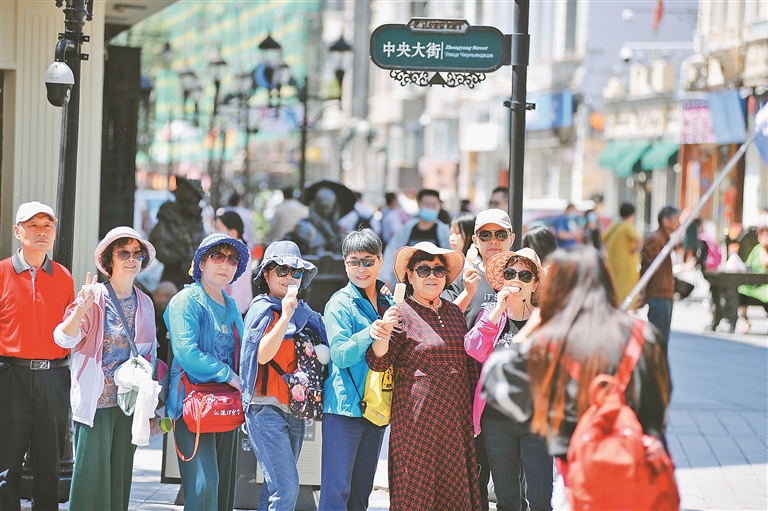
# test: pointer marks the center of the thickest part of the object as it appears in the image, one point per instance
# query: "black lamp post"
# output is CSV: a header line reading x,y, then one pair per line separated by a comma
x,y
190,88
62,82
217,66
271,56
245,84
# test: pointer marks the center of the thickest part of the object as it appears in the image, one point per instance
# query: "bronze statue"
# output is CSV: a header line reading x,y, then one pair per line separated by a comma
x,y
320,233
179,231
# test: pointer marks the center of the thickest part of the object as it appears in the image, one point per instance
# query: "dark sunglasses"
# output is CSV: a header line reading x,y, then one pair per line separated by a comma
x,y
367,263
501,235
282,271
220,257
124,255
524,275
424,271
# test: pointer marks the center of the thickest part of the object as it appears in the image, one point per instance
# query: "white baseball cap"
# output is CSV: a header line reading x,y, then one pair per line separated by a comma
x,y
30,209
492,216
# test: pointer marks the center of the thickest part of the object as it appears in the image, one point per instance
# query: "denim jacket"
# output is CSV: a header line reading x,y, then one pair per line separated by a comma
x,y
195,341
257,320
348,316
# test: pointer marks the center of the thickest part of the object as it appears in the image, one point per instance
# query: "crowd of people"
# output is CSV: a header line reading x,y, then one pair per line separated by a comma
x,y
471,306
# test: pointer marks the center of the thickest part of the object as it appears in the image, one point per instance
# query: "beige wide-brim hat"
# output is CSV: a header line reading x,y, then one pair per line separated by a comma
x,y
494,270
454,260
116,234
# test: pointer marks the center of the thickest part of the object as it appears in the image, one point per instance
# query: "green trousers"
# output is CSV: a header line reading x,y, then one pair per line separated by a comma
x,y
103,462
208,479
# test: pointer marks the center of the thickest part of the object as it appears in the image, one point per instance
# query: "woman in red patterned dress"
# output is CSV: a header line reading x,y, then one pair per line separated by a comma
x,y
431,453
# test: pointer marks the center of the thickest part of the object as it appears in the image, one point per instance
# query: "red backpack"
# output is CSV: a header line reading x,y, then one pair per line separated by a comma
x,y
611,463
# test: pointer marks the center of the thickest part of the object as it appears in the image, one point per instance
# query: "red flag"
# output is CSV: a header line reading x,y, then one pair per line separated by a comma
x,y
657,13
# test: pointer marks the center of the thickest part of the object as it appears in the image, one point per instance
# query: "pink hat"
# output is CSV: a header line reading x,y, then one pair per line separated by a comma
x,y
116,234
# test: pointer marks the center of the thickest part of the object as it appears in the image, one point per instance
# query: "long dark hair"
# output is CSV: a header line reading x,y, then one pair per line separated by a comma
x,y
465,223
581,321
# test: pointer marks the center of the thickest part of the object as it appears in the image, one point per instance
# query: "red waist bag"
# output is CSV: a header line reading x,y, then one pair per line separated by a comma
x,y
611,463
210,407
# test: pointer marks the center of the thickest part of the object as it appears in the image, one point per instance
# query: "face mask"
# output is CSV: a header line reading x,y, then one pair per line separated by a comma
x,y
428,215
592,217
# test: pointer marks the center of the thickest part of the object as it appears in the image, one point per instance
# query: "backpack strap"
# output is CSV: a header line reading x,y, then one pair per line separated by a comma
x,y
631,355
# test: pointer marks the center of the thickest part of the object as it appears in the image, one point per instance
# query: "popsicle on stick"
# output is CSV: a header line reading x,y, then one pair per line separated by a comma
x,y
472,255
399,295
293,288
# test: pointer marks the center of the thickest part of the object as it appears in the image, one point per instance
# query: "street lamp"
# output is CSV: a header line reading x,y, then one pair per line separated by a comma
x,y
341,57
217,66
190,88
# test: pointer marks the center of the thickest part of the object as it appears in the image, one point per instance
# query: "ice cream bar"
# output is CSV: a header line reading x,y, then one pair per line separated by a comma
x,y
472,254
293,288
515,289
399,293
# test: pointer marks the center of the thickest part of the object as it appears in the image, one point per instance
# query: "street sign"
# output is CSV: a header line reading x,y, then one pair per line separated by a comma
x,y
439,45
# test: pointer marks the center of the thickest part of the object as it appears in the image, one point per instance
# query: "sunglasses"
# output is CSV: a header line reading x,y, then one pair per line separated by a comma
x,y
501,235
524,275
424,271
124,255
220,257
281,271
367,263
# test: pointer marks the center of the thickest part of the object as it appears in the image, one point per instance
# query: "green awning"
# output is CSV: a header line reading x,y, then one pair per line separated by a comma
x,y
662,155
630,157
612,152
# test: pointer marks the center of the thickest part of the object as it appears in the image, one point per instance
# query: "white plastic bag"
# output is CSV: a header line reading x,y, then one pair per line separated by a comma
x,y
734,264
135,377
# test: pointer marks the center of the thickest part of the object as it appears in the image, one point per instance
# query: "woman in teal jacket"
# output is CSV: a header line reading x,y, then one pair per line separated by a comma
x,y
351,443
205,327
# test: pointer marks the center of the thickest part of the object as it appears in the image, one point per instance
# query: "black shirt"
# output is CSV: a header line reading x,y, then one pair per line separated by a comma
x,y
418,235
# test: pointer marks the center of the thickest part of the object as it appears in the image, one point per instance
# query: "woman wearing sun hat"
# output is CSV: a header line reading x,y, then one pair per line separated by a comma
x,y
431,452
274,318
516,276
206,327
100,343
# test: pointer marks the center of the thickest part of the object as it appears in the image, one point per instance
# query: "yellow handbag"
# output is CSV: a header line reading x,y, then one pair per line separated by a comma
x,y
376,401
377,397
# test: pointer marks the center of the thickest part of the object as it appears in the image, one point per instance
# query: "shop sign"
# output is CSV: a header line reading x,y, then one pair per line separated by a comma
x,y
695,123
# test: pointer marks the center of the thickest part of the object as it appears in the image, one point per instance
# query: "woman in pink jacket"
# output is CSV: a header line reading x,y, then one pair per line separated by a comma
x,y
510,445
101,342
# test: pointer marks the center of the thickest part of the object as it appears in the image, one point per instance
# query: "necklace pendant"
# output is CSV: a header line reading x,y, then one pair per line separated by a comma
x,y
224,329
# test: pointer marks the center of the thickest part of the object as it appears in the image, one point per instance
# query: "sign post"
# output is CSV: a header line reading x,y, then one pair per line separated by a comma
x,y
424,50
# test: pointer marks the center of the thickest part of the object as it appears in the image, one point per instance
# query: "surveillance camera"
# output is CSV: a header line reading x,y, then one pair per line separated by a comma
x,y
59,80
625,53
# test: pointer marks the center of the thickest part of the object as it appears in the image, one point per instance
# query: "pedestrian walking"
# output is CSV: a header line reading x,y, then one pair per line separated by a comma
x,y
499,199
511,446
426,227
623,252
206,328
567,228
659,292
579,333
241,290
286,215
274,318
101,344
34,377
592,235
431,453
351,443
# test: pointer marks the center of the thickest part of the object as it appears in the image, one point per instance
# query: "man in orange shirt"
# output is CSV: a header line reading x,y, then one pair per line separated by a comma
x,y
34,375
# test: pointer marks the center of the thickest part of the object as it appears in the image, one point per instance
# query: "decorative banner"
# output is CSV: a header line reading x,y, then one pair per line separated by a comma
x,y
439,45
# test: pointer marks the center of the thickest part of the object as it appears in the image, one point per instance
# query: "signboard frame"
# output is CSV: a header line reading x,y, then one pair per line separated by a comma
x,y
462,36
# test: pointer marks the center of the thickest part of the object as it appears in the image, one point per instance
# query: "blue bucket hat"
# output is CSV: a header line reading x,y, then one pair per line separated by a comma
x,y
286,253
211,241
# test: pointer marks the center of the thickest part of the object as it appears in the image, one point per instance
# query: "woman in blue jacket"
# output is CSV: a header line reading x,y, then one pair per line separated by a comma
x,y
205,326
351,443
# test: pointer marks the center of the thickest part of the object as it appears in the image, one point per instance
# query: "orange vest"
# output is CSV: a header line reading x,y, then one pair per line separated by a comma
x,y
286,359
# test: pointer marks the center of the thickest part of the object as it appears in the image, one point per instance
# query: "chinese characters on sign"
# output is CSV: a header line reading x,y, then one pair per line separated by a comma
x,y
475,49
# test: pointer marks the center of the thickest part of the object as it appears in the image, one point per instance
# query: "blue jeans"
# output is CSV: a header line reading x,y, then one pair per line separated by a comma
x,y
660,316
276,438
351,448
510,446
